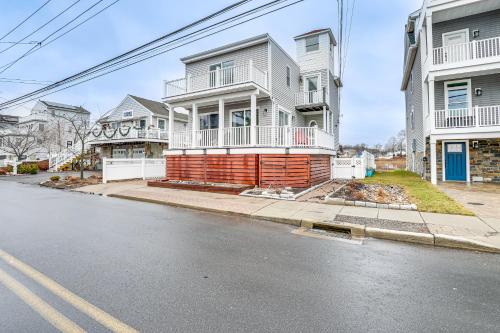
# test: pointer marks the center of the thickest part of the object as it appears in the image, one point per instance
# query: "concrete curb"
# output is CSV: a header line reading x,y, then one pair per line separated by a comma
x,y
463,243
401,236
356,230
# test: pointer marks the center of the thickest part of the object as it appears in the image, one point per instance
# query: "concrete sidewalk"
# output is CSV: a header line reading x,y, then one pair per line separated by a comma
x,y
435,229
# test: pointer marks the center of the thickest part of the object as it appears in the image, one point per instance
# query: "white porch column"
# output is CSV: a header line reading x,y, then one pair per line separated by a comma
x,y
433,161
221,122
253,119
429,44
171,115
325,119
195,124
432,105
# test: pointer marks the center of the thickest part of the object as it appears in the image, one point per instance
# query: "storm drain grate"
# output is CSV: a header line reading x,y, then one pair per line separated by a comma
x,y
332,231
476,203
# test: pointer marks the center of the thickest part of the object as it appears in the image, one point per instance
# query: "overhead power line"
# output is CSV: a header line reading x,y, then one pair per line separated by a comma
x,y
64,33
50,35
26,19
23,81
40,27
136,58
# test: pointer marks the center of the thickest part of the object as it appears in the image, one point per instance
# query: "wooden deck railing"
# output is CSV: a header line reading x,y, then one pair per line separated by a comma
x,y
265,136
479,116
477,49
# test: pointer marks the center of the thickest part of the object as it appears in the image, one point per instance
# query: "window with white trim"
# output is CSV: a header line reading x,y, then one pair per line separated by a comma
x,y
288,76
457,94
283,118
411,83
127,114
162,124
412,117
312,43
241,118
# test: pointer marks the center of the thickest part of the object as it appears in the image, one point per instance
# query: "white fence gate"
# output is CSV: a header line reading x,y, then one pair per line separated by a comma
x,y
355,167
132,168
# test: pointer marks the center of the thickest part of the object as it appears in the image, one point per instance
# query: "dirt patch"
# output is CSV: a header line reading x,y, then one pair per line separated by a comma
x,y
71,182
384,194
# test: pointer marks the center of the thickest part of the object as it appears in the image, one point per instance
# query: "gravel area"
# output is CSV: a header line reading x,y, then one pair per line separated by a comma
x,y
385,194
319,194
383,224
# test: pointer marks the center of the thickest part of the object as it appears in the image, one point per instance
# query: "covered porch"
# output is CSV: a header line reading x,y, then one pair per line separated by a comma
x,y
250,119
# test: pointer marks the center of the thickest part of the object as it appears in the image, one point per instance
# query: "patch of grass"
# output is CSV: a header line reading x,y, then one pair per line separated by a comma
x,y
426,196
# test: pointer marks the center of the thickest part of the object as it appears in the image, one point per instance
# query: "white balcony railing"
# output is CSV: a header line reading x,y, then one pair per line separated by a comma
x,y
265,136
477,49
479,116
127,133
215,79
310,97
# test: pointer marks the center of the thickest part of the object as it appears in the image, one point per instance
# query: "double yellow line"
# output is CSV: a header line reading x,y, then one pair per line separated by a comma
x,y
50,314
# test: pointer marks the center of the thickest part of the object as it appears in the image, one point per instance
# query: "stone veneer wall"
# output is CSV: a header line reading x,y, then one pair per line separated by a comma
x,y
439,158
484,160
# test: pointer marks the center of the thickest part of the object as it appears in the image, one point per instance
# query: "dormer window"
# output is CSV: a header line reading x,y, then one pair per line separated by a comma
x,y
312,43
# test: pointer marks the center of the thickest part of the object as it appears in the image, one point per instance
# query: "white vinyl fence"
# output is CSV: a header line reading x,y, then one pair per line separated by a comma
x,y
355,167
132,168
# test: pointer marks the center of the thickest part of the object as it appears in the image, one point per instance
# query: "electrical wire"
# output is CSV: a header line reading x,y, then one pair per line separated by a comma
x,y
40,27
64,33
54,86
26,19
50,35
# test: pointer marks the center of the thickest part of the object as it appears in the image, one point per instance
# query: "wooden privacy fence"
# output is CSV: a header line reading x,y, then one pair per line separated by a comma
x,y
132,168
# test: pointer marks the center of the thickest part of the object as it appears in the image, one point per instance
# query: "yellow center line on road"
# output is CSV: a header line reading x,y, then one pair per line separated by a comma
x,y
50,314
79,303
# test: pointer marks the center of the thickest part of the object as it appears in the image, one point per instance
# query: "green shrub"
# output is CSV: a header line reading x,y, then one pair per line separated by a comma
x,y
28,168
55,178
9,168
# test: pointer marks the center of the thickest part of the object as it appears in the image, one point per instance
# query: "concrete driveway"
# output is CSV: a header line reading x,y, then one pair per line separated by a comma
x,y
482,199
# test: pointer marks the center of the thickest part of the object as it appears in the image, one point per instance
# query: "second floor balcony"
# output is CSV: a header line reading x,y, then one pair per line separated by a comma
x,y
479,118
313,100
475,52
220,78
128,134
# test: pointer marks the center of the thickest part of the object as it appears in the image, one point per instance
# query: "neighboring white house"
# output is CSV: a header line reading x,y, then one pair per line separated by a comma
x,y
136,128
7,124
54,132
451,81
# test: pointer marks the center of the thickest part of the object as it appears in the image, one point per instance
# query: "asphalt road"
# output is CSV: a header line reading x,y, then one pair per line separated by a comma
x,y
161,269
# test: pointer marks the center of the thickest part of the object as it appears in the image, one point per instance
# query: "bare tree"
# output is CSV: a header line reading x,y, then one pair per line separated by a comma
x,y
392,145
83,127
19,141
401,141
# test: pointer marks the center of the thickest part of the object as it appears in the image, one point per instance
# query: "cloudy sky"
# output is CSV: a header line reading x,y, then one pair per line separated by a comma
x,y
373,106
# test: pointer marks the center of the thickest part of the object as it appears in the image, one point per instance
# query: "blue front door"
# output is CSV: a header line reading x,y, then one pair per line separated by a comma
x,y
455,164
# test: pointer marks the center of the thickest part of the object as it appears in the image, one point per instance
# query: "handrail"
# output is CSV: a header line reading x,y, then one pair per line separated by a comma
x,y
265,136
477,49
215,79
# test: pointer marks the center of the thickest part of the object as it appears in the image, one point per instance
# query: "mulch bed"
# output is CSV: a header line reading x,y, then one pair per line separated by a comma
x,y
71,182
384,194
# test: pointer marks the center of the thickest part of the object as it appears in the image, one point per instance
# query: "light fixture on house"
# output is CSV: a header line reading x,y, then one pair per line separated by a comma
x,y
265,110
478,91
475,144
475,33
